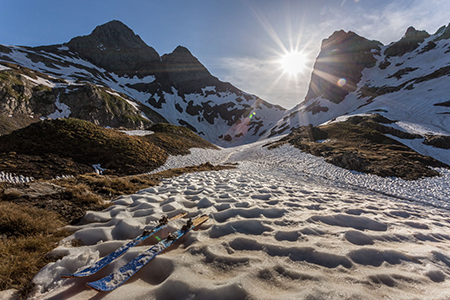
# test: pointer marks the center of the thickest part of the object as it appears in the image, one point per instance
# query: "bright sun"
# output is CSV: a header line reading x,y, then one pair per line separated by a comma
x,y
293,62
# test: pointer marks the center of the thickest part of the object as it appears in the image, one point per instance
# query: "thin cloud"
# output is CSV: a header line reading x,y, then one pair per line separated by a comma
x,y
389,23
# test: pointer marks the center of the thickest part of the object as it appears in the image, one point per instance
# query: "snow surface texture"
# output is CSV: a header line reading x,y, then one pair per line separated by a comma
x,y
278,230
62,110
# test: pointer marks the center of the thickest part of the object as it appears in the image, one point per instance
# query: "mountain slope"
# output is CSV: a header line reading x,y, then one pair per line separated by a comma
x,y
116,48
175,87
406,82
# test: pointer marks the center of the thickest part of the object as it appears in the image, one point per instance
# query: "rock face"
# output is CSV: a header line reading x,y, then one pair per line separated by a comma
x,y
185,73
114,47
339,66
101,107
409,42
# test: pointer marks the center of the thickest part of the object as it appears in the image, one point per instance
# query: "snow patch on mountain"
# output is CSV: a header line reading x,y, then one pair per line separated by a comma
x,y
62,110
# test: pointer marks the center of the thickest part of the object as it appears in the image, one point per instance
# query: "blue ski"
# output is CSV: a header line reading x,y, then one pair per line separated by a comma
x,y
120,276
120,251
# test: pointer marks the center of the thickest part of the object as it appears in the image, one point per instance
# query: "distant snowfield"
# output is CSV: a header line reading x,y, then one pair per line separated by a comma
x,y
283,225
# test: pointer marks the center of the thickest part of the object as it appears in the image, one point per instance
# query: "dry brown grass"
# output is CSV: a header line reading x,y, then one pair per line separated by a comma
x,y
20,220
96,188
28,233
176,140
82,194
99,188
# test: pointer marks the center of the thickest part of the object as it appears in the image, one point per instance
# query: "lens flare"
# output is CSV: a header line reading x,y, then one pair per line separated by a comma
x,y
341,82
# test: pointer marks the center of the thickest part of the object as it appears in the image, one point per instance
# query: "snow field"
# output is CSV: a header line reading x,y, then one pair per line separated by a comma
x,y
275,232
288,161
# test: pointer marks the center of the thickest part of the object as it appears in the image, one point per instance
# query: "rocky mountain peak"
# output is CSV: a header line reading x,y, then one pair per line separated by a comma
x,y
116,48
339,65
410,31
115,34
181,59
444,33
182,51
337,39
348,42
185,72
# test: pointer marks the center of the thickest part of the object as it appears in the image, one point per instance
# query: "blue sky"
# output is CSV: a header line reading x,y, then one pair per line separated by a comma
x,y
240,41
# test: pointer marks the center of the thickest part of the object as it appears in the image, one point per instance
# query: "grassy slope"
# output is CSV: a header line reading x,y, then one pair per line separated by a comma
x,y
70,146
85,143
362,149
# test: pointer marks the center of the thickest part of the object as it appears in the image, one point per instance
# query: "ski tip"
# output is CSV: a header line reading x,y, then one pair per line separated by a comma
x,y
180,215
95,287
200,220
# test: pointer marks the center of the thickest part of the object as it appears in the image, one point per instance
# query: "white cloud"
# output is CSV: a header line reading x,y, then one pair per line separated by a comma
x,y
389,23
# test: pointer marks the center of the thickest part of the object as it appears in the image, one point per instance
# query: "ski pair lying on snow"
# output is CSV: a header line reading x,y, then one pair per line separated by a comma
x,y
120,276
119,252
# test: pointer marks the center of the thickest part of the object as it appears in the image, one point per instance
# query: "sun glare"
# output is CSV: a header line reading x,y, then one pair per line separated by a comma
x,y
293,62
